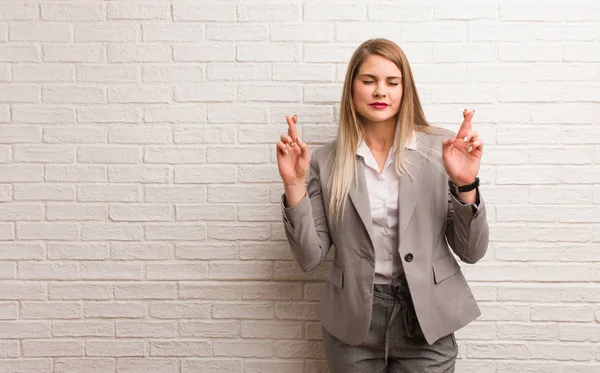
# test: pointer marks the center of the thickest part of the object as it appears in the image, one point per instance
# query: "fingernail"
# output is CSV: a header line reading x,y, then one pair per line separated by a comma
x,y
286,151
292,144
466,139
470,148
298,140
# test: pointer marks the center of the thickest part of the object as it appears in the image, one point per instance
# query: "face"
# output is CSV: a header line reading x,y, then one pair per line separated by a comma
x,y
377,89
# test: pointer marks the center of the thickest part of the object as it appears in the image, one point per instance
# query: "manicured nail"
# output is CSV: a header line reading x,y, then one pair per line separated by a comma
x,y
466,139
470,148
292,144
298,140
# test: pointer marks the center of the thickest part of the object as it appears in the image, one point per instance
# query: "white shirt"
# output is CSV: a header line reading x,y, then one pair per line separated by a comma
x,y
383,190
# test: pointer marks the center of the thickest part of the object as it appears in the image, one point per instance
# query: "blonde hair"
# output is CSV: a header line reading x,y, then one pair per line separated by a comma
x,y
410,118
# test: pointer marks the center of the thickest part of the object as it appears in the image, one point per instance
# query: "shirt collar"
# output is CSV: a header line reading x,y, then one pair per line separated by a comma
x,y
410,143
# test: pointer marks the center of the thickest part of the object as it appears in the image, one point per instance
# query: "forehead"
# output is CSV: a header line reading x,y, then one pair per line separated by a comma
x,y
379,66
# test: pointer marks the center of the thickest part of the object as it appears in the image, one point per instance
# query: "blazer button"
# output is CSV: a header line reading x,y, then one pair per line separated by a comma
x,y
408,257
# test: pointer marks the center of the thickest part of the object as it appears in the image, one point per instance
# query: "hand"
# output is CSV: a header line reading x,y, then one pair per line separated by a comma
x,y
462,153
293,157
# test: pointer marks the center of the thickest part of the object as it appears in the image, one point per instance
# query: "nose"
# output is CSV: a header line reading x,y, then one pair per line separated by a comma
x,y
379,91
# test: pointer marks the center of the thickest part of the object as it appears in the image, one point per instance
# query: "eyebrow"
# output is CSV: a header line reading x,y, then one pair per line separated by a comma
x,y
374,77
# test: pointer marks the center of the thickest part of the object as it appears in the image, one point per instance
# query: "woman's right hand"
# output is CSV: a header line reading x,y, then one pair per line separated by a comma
x,y
293,157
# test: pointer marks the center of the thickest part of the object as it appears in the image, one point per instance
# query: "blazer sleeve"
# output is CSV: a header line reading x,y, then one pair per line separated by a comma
x,y
467,229
306,224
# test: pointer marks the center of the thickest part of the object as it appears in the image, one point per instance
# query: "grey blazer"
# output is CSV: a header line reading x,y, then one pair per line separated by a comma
x,y
431,224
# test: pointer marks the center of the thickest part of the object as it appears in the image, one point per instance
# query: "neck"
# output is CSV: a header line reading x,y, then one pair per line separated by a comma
x,y
379,136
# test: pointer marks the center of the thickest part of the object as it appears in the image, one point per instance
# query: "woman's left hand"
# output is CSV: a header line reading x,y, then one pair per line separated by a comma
x,y
462,153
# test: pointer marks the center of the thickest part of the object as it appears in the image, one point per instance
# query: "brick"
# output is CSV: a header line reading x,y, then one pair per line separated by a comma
x,y
139,95
206,174
19,53
204,12
562,351
334,12
89,365
205,212
111,232
76,212
207,92
47,271
114,309
41,192
204,135
23,290
271,330
19,93
532,332
109,154
109,114
246,154
508,12
137,135
19,12
497,350
73,94
580,293
125,52
204,53
238,113
114,348
263,92
247,310
138,174
146,329
209,329
272,52
172,32
108,74
16,211
9,349
240,270
349,32
312,32
141,251
207,250
192,271
578,333
51,310
236,33
24,329
41,348
42,73
72,12
173,74
83,329
108,193
50,32
244,349
175,194
297,311
504,312
106,32
567,313
175,113
111,271
523,52
482,52
322,93
146,364
280,366
137,11
299,349
180,348
178,232
47,231
9,311
265,251
239,232
268,12
77,53
79,291
44,153
209,290
22,251
174,155
43,115
8,270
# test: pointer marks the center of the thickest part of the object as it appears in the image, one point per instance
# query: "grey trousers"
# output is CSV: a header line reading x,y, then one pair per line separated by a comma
x,y
394,343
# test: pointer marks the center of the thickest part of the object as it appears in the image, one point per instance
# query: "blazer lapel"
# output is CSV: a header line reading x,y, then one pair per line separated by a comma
x,y
410,186
359,195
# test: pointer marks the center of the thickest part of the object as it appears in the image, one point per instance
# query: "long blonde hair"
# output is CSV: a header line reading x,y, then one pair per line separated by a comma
x,y
410,118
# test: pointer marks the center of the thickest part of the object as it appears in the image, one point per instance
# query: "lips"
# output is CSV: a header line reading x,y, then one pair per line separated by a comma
x,y
379,105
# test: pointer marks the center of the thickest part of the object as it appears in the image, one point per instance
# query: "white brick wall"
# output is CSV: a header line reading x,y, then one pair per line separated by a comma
x,y
139,221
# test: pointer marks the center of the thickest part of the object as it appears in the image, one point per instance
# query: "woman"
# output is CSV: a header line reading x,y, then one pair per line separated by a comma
x,y
396,197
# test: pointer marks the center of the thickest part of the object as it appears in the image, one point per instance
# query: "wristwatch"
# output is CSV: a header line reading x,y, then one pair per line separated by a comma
x,y
463,188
